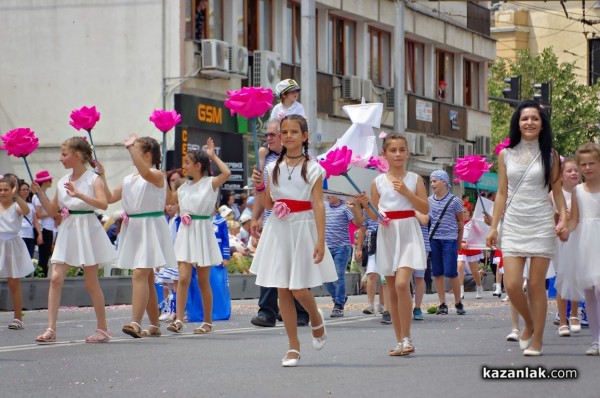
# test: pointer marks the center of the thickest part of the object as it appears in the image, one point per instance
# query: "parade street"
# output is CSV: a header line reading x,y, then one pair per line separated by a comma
x,y
241,360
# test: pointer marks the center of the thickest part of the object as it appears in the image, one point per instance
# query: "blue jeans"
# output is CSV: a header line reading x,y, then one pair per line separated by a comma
x,y
443,257
337,289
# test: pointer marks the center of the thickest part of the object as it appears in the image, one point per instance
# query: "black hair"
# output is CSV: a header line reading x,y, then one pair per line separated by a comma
x,y
304,129
544,139
200,156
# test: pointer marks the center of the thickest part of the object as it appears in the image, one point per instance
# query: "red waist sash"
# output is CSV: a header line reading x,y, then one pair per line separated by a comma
x,y
397,215
296,205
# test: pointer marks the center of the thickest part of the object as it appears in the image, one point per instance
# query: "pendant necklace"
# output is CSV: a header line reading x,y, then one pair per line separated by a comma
x,y
293,168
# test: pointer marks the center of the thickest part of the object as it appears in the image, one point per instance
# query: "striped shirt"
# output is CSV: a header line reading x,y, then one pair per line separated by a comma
x,y
425,232
336,224
222,235
271,157
371,225
448,228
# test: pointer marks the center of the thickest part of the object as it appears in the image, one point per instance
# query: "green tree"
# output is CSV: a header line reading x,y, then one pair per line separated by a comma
x,y
575,107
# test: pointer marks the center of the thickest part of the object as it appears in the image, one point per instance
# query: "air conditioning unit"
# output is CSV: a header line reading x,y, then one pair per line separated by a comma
x,y
388,99
215,58
483,145
461,150
367,90
417,145
238,61
266,69
351,88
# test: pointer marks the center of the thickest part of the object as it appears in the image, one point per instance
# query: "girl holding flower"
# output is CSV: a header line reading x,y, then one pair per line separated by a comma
x,y
82,242
291,254
196,242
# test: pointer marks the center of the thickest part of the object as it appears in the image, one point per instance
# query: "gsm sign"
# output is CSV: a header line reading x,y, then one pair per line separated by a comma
x,y
210,114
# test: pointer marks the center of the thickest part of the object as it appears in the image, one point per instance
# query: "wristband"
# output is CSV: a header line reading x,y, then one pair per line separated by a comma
x,y
260,188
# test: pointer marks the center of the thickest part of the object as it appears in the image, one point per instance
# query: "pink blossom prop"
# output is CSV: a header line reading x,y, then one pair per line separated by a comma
x,y
249,102
186,220
379,163
125,218
501,146
471,168
84,118
359,161
384,220
337,161
281,210
281,115
382,135
20,142
64,213
165,120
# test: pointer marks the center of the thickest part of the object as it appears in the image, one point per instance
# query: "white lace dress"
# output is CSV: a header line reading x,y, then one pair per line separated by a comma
x,y
528,228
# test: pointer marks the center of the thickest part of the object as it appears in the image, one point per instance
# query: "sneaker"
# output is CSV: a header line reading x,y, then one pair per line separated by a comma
x,y
462,291
337,312
369,309
380,308
479,294
583,319
460,308
442,309
164,316
513,336
497,289
556,320
386,318
505,299
594,349
417,314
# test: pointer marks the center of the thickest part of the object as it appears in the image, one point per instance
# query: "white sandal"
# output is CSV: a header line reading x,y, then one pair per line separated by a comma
x,y
290,362
319,342
16,324
204,328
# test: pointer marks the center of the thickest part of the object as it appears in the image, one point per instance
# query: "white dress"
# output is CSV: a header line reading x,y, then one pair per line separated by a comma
x,y
197,243
81,239
14,257
581,250
528,228
144,242
400,244
284,256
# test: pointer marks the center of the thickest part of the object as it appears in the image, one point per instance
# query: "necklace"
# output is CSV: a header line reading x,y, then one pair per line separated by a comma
x,y
294,157
293,168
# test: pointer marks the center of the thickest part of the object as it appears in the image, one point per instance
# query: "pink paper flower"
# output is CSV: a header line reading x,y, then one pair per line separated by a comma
x,y
384,219
281,210
84,118
64,213
379,163
471,168
382,135
358,161
165,120
20,142
249,102
186,220
337,161
281,115
125,218
501,146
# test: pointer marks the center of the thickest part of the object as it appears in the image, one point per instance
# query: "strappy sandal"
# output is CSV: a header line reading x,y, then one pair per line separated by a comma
x,y
99,336
48,337
290,362
319,342
155,333
204,328
175,327
133,329
16,324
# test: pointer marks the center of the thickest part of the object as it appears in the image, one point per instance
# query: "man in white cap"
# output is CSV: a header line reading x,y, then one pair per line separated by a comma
x,y
287,91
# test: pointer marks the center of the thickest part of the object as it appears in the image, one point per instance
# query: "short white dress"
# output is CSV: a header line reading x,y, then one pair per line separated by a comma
x,y
196,243
81,239
145,240
528,228
399,244
284,257
14,257
581,250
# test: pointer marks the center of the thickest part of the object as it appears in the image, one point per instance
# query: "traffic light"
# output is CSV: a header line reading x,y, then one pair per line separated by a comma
x,y
514,92
544,96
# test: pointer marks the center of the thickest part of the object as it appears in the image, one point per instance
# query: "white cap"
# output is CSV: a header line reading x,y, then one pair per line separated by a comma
x,y
225,210
245,217
286,86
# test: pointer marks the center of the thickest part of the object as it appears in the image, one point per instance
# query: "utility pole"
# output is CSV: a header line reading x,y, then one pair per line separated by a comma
x,y
399,68
308,63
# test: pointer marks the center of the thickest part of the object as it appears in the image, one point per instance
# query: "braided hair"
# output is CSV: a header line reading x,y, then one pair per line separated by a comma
x,y
304,129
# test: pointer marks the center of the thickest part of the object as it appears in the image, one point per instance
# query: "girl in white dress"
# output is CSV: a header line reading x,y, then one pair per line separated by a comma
x,y
15,261
144,240
582,279
400,246
291,254
526,169
82,241
196,243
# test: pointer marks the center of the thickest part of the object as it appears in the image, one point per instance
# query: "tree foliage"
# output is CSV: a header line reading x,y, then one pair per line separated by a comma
x,y
575,107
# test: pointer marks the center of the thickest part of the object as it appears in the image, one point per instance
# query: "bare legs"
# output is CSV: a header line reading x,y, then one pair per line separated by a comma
x,y
144,296
288,314
14,285
185,276
400,302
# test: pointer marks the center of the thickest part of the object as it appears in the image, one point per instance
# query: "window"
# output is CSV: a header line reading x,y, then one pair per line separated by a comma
x,y
258,25
342,36
594,60
379,69
414,61
204,19
471,82
293,22
444,75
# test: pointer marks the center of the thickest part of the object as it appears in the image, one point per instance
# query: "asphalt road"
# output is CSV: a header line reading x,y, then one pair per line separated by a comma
x,y
240,360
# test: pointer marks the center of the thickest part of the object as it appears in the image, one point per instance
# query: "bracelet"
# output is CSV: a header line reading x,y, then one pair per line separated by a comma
x,y
260,188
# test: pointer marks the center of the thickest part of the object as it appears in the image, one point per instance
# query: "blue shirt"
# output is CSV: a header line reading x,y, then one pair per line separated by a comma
x,y
336,224
448,228
271,157
425,232
222,235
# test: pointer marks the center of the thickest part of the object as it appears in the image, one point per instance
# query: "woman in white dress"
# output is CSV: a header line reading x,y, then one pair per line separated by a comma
x,y
291,254
82,241
144,240
196,244
527,168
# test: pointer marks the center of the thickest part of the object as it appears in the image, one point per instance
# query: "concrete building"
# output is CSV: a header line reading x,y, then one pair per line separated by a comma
x,y
129,58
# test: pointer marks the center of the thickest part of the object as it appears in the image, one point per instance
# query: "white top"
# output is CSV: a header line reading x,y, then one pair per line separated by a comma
x,y
14,257
389,199
28,222
295,109
46,222
10,222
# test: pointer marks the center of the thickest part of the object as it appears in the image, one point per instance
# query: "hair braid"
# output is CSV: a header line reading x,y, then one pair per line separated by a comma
x,y
277,162
305,162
